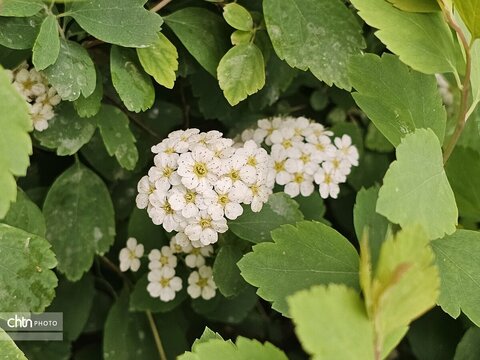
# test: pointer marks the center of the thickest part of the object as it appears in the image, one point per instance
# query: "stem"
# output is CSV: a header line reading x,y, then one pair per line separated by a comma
x,y
462,116
160,5
156,336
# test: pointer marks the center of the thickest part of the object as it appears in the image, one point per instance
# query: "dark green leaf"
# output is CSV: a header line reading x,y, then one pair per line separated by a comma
x,y
24,214
47,45
19,33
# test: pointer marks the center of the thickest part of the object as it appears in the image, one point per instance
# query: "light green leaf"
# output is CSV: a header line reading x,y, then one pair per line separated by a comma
x,y
469,11
132,84
124,22
20,8
463,171
415,188
67,132
368,221
331,323
203,33
416,5
80,221
160,60
241,37
89,106
26,280
15,143
457,259
25,215
422,41
238,17
309,254
255,227
225,270
207,335
19,33
397,99
468,348
47,45
241,72
319,35
141,300
73,73
75,301
244,349
9,350
127,335
117,136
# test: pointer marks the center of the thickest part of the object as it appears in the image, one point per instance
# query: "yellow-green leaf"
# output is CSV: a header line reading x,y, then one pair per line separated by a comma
x,y
469,10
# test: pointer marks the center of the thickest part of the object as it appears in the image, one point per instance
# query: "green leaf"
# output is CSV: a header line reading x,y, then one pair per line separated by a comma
x,y
67,132
141,300
20,8
80,220
26,280
241,72
73,73
331,323
415,188
309,254
117,136
15,143
75,301
368,221
203,33
376,141
125,22
244,349
89,106
463,172
255,227
207,335
319,35
312,207
127,335
240,37
416,5
225,270
238,17
141,227
19,33
9,350
11,58
430,48
25,215
468,348
47,45
470,14
51,350
457,260
397,99
132,84
160,60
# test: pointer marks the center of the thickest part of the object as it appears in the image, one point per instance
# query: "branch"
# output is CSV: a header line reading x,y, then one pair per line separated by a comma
x,y
160,5
156,336
463,113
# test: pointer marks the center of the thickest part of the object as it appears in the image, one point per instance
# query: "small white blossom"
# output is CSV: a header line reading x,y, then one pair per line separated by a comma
x,y
347,150
130,255
198,168
180,243
163,283
161,258
205,229
196,256
328,184
201,284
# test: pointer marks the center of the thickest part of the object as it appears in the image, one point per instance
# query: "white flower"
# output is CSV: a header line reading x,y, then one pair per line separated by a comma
x,y
145,188
179,243
204,228
196,257
40,115
328,183
200,283
49,98
205,139
300,182
168,149
161,258
163,283
257,195
162,213
347,150
163,174
198,168
279,157
187,202
130,255
183,139
224,201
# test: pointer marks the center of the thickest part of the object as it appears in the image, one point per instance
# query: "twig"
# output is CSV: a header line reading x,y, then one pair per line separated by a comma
x,y
462,116
156,336
116,270
160,5
91,43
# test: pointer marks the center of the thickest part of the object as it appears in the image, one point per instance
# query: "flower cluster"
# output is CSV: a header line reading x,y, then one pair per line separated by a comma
x,y
303,153
162,280
200,180
39,95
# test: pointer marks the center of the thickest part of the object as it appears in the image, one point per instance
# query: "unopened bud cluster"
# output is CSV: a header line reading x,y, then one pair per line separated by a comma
x,y
39,95
304,153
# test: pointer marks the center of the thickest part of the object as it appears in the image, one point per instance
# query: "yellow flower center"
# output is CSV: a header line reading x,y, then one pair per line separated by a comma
x,y
202,282
279,166
320,147
252,161
190,196
298,177
167,208
164,260
287,143
234,175
305,158
169,150
205,223
200,169
254,189
164,282
223,200
167,171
